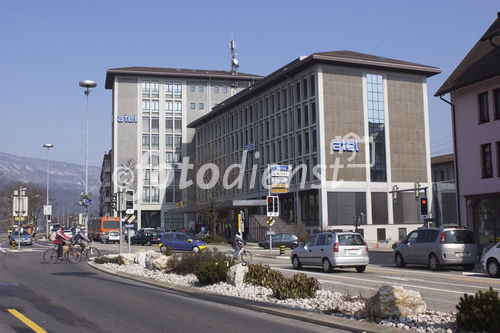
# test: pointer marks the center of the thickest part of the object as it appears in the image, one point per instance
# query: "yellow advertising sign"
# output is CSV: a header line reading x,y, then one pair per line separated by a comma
x,y
279,190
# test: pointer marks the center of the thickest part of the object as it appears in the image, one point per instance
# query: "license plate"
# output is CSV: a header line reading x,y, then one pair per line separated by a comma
x,y
461,254
353,252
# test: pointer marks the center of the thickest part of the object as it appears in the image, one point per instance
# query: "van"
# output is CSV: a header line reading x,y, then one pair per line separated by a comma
x,y
437,247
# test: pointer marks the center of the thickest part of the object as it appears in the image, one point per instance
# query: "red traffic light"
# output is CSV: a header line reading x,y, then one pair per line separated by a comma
x,y
423,201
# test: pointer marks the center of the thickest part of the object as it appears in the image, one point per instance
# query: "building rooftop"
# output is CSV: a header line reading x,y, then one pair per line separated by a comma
x,y
178,72
480,64
342,58
442,159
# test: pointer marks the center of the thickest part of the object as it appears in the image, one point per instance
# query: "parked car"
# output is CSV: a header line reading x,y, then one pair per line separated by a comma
x,y
112,236
26,238
180,241
437,247
491,261
289,240
145,237
332,249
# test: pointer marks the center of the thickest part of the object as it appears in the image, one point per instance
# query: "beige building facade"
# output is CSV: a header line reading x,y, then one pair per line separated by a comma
x,y
356,124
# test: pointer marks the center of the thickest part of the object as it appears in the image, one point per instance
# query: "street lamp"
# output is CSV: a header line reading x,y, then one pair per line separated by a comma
x,y
87,84
47,211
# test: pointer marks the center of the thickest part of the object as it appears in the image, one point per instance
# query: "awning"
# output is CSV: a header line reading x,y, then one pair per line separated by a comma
x,y
224,205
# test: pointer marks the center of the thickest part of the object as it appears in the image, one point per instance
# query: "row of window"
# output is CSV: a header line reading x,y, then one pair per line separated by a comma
x,y
152,141
152,89
483,106
152,124
487,160
217,89
152,158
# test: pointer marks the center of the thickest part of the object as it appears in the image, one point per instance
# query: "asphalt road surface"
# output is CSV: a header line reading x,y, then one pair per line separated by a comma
x,y
66,297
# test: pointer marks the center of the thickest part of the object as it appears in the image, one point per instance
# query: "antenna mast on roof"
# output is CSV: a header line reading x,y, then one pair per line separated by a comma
x,y
234,61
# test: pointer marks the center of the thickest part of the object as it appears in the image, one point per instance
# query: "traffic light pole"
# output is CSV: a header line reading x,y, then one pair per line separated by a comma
x,y
119,204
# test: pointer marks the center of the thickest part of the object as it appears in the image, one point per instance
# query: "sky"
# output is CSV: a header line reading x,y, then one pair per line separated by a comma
x,y
48,46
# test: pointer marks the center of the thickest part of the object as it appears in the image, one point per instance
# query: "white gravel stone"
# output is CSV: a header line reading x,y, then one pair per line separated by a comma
x,y
325,301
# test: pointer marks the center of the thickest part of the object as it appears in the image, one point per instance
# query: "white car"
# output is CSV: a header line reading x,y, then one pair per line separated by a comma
x,y
110,237
491,261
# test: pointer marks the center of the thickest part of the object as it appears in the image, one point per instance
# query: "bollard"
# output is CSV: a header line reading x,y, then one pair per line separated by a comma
x,y
282,250
13,244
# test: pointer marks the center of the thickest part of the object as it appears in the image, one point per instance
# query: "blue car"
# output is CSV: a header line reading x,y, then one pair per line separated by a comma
x,y
180,241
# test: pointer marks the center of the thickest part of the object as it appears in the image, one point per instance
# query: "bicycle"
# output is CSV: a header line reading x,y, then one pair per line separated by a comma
x,y
89,251
245,255
70,253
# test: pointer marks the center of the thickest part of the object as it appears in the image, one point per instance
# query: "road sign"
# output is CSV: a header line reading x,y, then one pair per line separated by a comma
x,y
87,202
129,211
130,218
276,167
280,173
279,190
17,218
280,178
47,210
129,225
24,206
270,233
270,221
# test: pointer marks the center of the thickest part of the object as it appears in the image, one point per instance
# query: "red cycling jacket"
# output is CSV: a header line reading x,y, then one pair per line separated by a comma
x,y
61,237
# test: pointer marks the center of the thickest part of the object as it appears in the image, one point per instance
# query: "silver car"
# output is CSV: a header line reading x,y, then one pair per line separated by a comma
x,y
437,247
330,250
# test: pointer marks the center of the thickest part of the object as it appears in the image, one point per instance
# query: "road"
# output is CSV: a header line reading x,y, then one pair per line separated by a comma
x,y
66,297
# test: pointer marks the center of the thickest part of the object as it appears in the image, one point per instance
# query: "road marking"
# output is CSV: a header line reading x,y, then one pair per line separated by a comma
x,y
437,282
26,321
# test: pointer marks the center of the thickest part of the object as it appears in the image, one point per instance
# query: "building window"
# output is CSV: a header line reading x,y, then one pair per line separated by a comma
x,y
482,100
178,89
178,125
376,125
177,142
496,96
155,194
155,88
146,194
169,157
224,89
486,167
201,106
169,88
191,88
314,142
169,124
155,124
169,106
216,89
145,124
146,177
192,106
145,141
299,118
381,235
145,105
155,106
169,144
145,88
200,88
155,141
312,86
178,107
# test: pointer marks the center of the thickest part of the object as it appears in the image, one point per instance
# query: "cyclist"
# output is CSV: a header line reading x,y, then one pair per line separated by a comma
x,y
80,238
59,241
238,244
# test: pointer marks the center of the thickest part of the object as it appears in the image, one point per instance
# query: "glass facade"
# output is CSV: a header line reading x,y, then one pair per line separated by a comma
x,y
376,126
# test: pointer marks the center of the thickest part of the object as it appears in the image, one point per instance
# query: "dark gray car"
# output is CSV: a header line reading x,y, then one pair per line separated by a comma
x,y
437,247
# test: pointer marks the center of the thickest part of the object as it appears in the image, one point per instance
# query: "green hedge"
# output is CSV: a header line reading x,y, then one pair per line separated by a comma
x,y
479,313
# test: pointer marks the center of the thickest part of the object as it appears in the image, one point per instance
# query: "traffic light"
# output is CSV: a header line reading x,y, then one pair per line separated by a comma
x,y
113,201
424,209
272,205
129,202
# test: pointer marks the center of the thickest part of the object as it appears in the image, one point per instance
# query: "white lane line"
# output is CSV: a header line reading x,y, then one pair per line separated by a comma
x,y
437,282
2,250
401,284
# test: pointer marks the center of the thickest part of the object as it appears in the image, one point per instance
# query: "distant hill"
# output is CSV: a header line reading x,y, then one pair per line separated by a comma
x,y
66,180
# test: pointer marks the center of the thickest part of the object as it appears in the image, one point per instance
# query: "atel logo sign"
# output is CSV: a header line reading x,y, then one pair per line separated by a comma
x,y
345,145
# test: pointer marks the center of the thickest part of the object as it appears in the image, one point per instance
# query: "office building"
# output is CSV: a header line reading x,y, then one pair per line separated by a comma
x,y
363,118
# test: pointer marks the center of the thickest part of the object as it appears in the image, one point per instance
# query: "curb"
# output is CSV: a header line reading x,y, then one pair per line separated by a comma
x,y
302,315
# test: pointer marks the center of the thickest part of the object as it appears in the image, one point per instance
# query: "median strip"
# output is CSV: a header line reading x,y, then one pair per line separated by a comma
x,y
26,321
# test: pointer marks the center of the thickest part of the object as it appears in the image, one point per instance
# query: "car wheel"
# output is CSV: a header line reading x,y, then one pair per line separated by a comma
x,y
400,262
196,249
148,243
469,267
327,266
434,263
296,263
360,269
493,268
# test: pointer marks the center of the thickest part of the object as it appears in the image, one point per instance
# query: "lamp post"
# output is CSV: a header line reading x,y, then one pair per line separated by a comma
x,y
47,211
87,84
